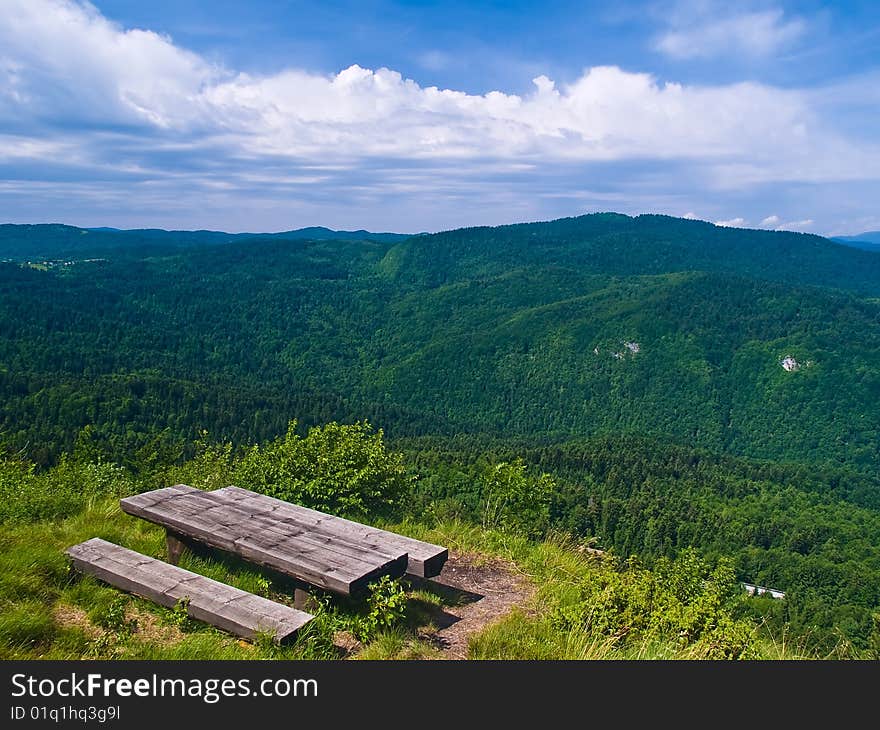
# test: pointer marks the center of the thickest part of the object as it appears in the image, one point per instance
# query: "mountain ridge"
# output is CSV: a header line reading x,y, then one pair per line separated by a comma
x,y
52,241
736,341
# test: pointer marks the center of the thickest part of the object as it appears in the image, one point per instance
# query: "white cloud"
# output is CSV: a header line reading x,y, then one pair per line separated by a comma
x,y
78,89
73,65
691,216
796,225
696,33
732,223
770,221
64,59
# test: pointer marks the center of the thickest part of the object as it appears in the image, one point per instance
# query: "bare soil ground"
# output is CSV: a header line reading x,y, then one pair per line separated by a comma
x,y
149,628
478,591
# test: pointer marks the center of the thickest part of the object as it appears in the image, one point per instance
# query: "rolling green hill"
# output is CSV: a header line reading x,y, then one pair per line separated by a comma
x,y
687,385
600,324
55,241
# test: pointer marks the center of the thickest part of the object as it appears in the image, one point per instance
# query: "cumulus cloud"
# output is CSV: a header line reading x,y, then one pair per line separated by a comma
x,y
732,223
796,225
62,60
80,92
770,221
701,31
69,64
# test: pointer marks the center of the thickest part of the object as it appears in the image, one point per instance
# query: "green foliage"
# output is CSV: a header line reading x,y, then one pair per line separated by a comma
x,y
264,585
472,331
385,608
341,469
210,467
27,495
516,501
490,346
874,638
685,601
114,618
179,615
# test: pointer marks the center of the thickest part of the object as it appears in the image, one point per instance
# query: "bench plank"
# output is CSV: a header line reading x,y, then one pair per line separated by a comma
x,y
425,560
338,562
229,608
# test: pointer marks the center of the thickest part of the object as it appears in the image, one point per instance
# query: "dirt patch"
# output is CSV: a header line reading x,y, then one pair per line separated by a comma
x,y
151,629
477,592
346,644
73,617
149,626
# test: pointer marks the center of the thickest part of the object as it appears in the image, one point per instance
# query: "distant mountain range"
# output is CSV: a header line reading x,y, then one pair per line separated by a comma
x,y
55,240
869,241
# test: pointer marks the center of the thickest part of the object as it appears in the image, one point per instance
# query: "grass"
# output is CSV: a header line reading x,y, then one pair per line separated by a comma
x,y
558,567
48,611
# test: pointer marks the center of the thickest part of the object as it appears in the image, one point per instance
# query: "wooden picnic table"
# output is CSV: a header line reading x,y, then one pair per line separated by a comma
x,y
310,546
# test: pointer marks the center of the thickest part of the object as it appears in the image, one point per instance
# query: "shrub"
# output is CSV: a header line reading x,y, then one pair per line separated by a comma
x,y
335,468
211,467
64,490
516,501
685,601
386,608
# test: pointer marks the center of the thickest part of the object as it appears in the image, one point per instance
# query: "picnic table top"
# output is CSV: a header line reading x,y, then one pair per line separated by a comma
x,y
326,551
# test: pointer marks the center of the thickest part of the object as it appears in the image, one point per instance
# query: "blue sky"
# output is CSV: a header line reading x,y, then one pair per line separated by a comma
x,y
411,116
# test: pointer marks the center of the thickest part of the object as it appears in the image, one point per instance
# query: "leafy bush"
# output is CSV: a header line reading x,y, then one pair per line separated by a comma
x,y
386,608
516,501
211,467
685,601
335,468
179,615
113,617
64,490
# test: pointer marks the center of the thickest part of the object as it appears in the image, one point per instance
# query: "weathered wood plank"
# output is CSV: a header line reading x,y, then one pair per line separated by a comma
x,y
208,517
226,528
337,562
221,605
425,559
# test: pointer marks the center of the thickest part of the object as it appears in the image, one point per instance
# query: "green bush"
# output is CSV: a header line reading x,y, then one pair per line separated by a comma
x,y
685,601
64,490
336,468
516,501
386,608
211,467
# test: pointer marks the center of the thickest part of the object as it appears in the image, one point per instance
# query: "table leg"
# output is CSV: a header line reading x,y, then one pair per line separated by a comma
x,y
175,546
303,600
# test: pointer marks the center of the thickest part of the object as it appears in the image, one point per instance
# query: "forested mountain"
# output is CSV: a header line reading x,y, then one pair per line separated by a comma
x,y
714,337
54,242
614,244
687,384
869,241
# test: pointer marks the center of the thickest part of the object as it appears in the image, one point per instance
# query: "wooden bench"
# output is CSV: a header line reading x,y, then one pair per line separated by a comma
x,y
221,605
328,555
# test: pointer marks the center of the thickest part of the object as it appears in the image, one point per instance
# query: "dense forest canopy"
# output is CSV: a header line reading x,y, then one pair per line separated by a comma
x,y
714,337
684,384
